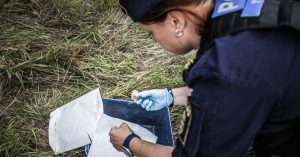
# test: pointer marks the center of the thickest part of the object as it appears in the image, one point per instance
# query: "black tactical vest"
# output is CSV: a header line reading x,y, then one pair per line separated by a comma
x,y
274,14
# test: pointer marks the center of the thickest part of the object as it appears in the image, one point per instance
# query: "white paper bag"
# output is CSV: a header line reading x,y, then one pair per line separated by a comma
x,y
74,124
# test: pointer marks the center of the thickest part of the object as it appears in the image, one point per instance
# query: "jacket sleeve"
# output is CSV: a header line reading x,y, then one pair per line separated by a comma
x,y
226,115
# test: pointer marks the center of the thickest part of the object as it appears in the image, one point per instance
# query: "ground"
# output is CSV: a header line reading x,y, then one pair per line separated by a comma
x,y
54,51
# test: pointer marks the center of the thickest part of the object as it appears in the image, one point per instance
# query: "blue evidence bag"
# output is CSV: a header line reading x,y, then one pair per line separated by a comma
x,y
158,122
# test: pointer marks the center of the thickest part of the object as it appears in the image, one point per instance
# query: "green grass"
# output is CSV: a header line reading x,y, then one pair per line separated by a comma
x,y
54,51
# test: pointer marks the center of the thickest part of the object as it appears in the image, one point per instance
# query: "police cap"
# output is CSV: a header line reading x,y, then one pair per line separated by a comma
x,y
136,9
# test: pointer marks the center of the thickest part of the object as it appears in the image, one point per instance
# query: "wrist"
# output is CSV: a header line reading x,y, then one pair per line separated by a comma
x,y
129,138
170,91
134,146
181,91
180,100
135,143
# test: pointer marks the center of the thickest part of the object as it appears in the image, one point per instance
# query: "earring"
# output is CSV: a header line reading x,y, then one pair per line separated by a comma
x,y
179,33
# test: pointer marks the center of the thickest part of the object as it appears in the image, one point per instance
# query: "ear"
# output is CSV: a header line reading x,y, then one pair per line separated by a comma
x,y
177,19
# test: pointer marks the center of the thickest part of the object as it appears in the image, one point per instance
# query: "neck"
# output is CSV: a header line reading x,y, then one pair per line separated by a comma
x,y
199,13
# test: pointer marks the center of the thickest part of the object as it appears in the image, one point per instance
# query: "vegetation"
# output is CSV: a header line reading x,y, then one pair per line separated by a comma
x,y
54,51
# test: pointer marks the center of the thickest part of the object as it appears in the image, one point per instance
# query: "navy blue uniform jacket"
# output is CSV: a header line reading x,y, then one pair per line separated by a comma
x,y
247,85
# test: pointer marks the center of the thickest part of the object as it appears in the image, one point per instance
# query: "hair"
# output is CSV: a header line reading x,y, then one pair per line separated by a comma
x,y
159,12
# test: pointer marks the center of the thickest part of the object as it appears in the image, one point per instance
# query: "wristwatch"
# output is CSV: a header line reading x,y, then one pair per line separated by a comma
x,y
125,147
171,92
126,151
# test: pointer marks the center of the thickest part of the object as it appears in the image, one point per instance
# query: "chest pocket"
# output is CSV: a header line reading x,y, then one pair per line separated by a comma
x,y
196,129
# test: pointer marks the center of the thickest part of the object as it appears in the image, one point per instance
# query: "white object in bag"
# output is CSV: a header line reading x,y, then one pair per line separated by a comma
x,y
101,146
74,124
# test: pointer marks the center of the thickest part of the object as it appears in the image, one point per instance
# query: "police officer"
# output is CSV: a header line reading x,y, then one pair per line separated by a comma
x,y
244,80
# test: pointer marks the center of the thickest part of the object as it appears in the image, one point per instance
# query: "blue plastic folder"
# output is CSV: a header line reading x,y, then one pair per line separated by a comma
x,y
158,122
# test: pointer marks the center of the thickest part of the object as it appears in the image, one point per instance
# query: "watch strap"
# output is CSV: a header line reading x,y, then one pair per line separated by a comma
x,y
171,92
129,138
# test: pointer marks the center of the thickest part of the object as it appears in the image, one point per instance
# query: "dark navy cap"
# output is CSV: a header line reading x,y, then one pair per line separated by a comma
x,y
136,9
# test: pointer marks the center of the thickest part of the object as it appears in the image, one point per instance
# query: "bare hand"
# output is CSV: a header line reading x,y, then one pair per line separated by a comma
x,y
118,135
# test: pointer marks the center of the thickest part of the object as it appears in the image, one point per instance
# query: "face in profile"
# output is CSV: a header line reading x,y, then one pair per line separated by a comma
x,y
166,33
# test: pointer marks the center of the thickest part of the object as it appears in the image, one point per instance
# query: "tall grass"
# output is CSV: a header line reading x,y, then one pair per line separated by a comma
x,y
54,51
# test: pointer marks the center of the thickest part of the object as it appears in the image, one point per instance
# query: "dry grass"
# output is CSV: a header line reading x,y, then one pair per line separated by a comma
x,y
54,51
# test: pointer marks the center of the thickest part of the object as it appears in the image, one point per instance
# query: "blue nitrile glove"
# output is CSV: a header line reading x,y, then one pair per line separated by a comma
x,y
155,99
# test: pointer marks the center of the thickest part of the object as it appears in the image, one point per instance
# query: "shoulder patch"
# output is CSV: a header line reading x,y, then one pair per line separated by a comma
x,y
223,7
251,8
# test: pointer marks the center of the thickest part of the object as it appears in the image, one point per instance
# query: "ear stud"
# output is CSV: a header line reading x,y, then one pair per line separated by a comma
x,y
179,33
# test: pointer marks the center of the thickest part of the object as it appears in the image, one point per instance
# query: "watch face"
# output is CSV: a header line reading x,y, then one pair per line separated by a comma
x,y
126,151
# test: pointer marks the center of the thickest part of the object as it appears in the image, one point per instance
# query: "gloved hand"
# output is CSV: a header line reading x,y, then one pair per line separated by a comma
x,y
155,99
